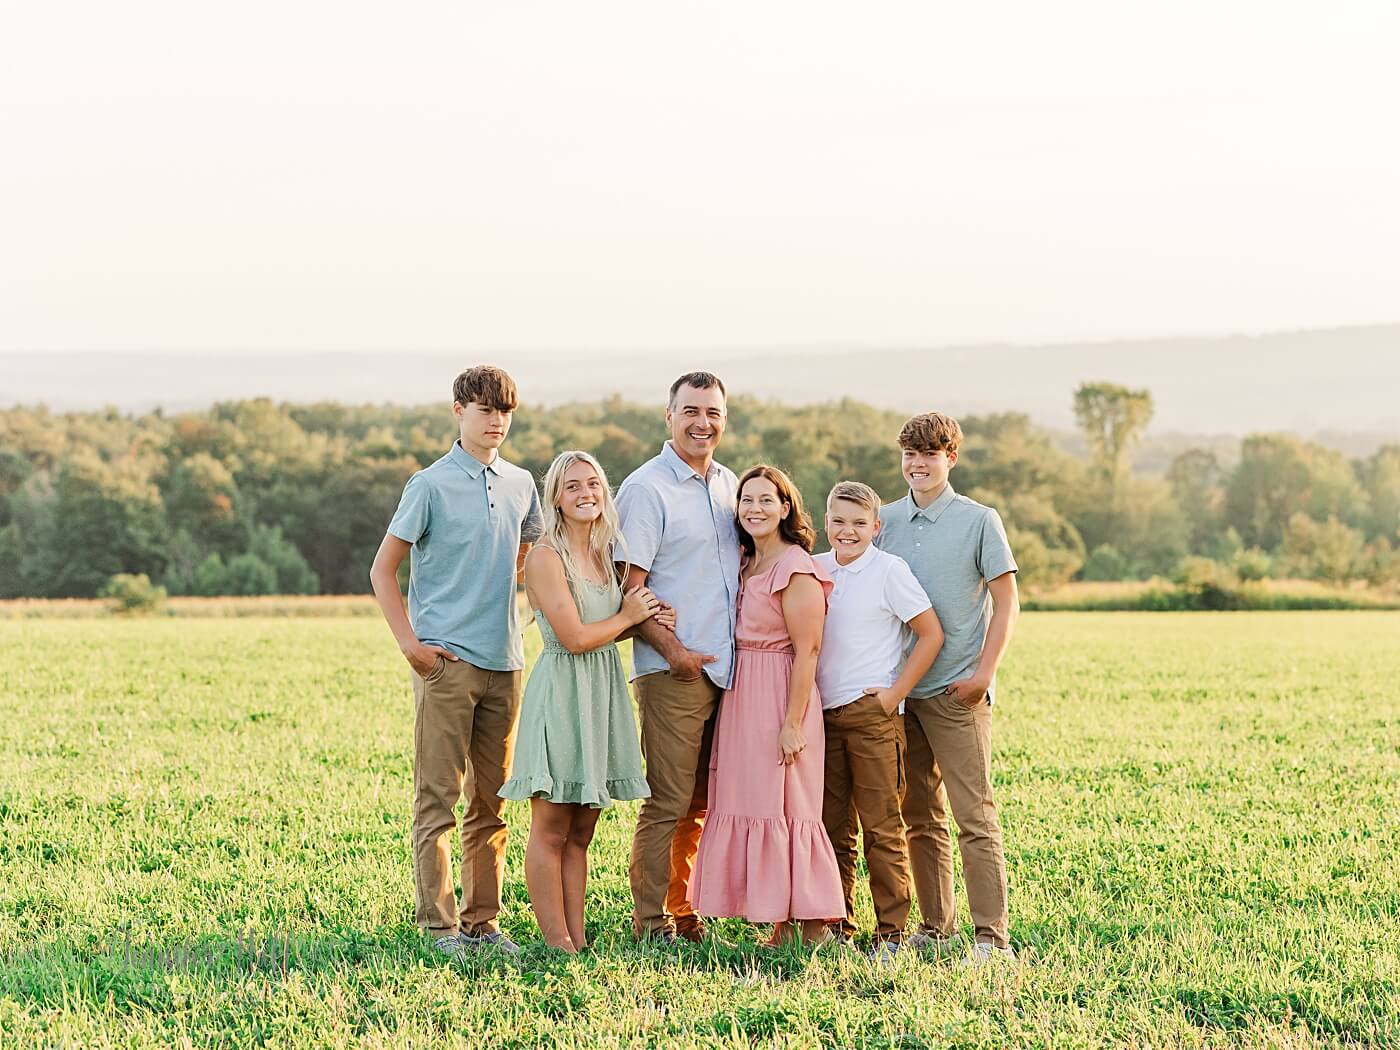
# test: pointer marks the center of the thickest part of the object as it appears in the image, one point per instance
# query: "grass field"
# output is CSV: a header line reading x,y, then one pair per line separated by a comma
x,y
203,840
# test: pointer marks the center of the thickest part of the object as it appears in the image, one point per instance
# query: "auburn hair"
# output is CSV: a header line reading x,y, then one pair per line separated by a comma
x,y
796,527
931,432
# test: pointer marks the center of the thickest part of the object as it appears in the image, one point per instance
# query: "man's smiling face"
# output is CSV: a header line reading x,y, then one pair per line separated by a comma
x,y
696,421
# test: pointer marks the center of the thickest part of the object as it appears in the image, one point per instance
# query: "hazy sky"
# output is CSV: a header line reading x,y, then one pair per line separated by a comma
x,y
472,175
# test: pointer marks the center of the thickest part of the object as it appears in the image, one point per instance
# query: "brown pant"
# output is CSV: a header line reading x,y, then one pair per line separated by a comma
x,y
865,779
677,727
463,736
950,759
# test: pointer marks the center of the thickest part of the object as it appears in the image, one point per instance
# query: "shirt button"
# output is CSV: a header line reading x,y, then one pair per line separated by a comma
x,y
917,544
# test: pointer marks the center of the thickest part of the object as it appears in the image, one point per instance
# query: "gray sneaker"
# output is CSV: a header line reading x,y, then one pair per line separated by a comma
x,y
932,944
450,946
984,952
490,939
882,955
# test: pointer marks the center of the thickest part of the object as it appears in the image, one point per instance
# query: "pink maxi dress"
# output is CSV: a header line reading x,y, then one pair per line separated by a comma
x,y
764,853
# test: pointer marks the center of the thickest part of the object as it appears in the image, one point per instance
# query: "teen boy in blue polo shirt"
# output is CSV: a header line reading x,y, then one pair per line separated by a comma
x,y
466,521
959,554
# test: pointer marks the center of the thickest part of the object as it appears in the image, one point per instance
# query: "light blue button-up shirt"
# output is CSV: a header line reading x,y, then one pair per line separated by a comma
x,y
679,527
466,521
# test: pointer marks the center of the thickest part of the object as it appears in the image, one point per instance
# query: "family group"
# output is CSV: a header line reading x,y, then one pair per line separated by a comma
x,y
786,700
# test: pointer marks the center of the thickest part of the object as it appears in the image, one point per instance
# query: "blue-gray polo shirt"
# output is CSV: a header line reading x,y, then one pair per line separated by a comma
x,y
954,545
466,521
679,527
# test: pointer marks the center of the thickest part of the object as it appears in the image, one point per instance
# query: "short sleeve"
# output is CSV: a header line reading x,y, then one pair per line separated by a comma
x,y
643,520
905,597
795,562
412,519
533,526
994,552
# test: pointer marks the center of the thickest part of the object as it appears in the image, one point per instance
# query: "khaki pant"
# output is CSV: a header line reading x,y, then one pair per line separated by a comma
x,y
865,779
463,736
677,727
950,760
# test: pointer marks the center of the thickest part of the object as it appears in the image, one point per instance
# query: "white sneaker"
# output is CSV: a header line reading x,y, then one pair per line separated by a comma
x,y
984,952
491,939
939,947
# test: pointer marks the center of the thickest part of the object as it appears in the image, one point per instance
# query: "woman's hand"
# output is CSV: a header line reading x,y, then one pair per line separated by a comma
x,y
791,744
666,617
639,604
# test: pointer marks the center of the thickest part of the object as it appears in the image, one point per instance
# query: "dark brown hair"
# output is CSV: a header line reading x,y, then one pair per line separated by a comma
x,y
931,432
796,527
486,385
699,380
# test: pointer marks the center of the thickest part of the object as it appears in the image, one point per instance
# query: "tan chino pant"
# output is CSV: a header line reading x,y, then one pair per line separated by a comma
x,y
463,736
677,728
950,760
865,780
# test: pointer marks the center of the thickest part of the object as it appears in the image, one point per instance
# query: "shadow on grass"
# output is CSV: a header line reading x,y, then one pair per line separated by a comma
x,y
134,974
1371,1001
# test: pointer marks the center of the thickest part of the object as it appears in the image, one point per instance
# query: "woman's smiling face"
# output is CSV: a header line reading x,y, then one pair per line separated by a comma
x,y
761,510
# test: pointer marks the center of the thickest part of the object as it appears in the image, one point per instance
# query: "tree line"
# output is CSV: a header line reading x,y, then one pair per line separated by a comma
x,y
255,497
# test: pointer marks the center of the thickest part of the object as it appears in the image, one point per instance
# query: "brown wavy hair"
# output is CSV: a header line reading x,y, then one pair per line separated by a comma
x,y
796,527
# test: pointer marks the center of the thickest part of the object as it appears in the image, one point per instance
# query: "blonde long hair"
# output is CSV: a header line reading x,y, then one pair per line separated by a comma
x,y
607,528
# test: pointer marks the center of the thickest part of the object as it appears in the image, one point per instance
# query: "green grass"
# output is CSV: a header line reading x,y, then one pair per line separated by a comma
x,y
203,841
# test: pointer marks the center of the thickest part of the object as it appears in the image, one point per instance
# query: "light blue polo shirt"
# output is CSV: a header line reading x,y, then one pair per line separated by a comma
x,y
679,527
466,521
954,545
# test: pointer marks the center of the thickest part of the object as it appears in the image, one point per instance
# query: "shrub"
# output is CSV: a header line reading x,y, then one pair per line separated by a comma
x,y
247,574
1207,584
209,577
1106,563
133,593
1252,564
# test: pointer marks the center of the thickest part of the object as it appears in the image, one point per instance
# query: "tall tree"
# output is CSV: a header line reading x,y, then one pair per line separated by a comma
x,y
1112,418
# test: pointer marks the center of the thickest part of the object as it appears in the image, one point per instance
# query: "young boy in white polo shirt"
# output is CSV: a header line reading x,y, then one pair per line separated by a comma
x,y
863,687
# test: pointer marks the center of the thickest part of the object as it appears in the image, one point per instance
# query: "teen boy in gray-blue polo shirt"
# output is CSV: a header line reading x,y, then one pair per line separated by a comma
x,y
466,520
958,551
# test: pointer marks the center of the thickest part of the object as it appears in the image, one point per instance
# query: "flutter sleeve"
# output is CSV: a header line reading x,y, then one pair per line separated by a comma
x,y
795,561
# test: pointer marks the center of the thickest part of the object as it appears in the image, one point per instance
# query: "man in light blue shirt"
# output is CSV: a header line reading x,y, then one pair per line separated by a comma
x,y
466,520
677,514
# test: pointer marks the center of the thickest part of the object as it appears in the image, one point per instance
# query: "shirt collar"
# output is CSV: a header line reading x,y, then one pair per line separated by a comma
x,y
859,565
471,464
934,509
680,467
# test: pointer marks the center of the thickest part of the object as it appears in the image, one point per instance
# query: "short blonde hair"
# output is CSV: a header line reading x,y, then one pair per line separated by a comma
x,y
931,432
854,492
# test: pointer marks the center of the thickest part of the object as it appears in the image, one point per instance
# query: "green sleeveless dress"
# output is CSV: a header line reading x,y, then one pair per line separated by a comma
x,y
577,740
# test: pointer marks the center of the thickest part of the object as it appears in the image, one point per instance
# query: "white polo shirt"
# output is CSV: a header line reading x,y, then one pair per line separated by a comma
x,y
863,642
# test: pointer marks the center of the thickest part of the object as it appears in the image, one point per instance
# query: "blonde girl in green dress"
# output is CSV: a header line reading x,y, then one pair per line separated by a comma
x,y
576,750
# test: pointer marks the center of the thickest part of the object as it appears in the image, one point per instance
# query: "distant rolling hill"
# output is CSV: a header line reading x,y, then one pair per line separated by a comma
x,y
1342,380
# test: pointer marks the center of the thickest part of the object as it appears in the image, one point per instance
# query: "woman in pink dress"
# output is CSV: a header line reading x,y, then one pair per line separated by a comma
x,y
764,853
